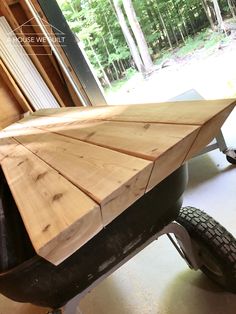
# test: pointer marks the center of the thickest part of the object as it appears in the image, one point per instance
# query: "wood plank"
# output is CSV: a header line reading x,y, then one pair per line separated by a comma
x,y
55,111
14,88
144,140
59,217
181,112
112,179
4,121
190,145
41,54
10,111
165,144
23,14
208,132
8,13
24,126
171,159
15,131
23,69
65,60
7,146
11,2
39,121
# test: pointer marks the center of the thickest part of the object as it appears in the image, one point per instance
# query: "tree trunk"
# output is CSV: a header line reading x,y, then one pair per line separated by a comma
x,y
128,37
220,21
208,14
99,63
191,17
122,65
165,28
161,28
138,33
110,33
120,71
232,8
151,16
108,54
182,24
181,34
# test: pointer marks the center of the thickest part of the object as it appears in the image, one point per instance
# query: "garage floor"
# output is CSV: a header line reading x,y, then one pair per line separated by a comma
x,y
157,281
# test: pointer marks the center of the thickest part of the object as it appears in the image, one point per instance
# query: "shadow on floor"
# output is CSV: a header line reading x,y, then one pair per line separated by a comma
x,y
192,292
204,168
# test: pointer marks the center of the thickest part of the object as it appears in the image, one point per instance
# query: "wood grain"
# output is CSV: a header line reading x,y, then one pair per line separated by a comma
x,y
64,58
171,159
14,88
137,139
112,179
179,112
23,69
15,16
208,131
59,217
7,146
103,155
10,110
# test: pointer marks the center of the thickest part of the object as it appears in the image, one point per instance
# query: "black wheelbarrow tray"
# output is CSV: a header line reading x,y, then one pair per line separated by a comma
x,y
200,240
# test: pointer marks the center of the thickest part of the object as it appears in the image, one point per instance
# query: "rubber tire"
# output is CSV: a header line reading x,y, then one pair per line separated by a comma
x,y
231,160
215,245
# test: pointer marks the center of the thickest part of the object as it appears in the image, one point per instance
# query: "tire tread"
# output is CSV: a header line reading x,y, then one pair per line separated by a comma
x,y
214,236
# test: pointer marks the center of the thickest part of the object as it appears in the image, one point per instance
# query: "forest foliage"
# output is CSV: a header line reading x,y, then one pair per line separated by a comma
x,y
151,26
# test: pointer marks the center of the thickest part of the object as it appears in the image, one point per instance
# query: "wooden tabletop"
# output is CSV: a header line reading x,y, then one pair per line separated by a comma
x,y
73,170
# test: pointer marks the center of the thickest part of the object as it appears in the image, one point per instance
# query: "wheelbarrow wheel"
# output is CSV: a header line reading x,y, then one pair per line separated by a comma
x,y
231,156
231,160
215,246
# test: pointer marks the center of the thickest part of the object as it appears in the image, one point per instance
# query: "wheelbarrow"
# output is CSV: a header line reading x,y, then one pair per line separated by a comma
x,y
201,241
47,153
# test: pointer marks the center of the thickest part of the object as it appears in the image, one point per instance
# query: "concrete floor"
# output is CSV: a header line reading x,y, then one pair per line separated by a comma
x,y
157,280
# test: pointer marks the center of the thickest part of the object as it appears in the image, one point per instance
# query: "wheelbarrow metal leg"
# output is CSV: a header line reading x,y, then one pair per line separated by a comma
x,y
185,247
186,251
59,311
72,307
68,309
221,142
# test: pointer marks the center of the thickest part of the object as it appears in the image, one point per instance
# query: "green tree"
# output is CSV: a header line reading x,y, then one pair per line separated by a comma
x,y
116,34
139,36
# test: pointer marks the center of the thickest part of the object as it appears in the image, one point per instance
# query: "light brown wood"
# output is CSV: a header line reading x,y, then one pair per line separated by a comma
x,y
10,110
11,2
23,69
171,159
43,52
112,179
23,10
137,139
28,48
14,88
181,112
7,146
208,131
59,217
65,60
54,112
106,155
